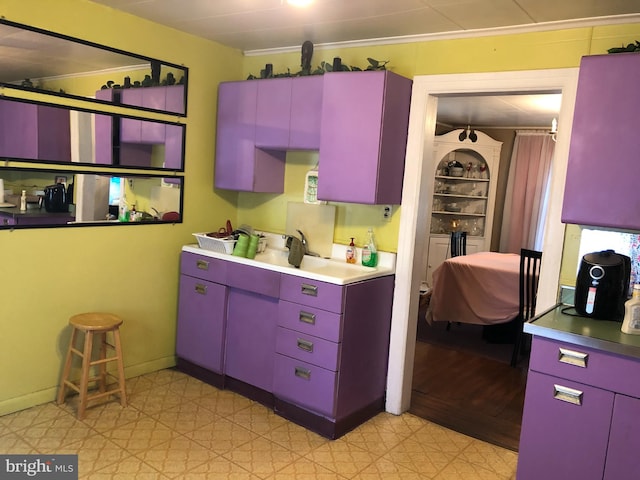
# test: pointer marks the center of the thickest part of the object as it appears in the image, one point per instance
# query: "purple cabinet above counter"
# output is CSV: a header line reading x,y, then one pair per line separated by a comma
x,y
357,120
601,188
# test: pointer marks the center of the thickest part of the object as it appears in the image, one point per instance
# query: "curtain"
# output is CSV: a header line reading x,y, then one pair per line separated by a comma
x,y
527,192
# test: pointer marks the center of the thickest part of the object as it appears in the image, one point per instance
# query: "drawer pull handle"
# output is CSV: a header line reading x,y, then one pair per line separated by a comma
x,y
307,317
201,289
572,357
305,345
303,373
202,264
566,394
309,290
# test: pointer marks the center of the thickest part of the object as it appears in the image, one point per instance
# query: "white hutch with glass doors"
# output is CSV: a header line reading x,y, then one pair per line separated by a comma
x,y
466,166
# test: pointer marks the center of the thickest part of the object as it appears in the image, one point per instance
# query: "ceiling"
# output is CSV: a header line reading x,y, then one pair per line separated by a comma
x,y
266,24
254,25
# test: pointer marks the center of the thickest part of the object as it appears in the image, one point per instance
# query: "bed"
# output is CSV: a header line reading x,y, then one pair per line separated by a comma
x,y
480,288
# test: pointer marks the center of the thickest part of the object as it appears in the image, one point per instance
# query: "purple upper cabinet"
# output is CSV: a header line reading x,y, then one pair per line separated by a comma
x,y
306,113
601,188
273,107
365,117
239,164
35,132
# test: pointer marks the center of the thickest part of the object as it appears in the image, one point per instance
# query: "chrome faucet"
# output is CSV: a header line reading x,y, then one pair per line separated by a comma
x,y
305,245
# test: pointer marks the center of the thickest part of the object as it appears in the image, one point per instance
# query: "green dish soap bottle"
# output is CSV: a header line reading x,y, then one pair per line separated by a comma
x,y
369,251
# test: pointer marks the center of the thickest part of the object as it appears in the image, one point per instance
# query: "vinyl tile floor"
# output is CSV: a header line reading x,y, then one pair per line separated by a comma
x,y
176,427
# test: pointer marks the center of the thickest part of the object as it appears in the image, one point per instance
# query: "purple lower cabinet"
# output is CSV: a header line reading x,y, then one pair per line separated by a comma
x,y
332,349
201,322
624,438
565,430
251,335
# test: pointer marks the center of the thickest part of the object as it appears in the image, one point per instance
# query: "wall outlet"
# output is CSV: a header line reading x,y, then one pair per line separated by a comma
x,y
387,211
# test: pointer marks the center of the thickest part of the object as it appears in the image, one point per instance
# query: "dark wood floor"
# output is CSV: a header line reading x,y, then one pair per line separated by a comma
x,y
462,382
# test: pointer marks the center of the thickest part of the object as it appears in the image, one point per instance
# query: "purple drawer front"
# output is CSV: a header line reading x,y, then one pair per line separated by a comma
x,y
304,291
307,348
253,279
310,320
304,384
586,365
203,267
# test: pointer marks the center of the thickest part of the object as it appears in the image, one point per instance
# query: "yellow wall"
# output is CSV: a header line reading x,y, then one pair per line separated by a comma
x,y
50,274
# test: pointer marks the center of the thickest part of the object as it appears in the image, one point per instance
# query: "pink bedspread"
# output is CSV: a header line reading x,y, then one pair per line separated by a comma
x,y
480,288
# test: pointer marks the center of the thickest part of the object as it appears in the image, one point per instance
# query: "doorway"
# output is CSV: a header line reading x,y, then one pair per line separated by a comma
x,y
416,191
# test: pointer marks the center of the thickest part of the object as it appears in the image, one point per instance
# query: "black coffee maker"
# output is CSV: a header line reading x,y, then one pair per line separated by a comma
x,y
602,286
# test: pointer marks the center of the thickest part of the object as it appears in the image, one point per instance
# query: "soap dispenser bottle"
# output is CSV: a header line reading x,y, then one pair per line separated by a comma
x,y
631,322
369,251
351,252
23,201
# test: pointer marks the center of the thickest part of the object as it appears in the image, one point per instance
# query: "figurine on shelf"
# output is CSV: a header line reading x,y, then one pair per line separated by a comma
x,y
483,171
469,167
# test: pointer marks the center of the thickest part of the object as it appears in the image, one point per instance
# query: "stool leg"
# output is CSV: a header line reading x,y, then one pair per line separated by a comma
x,y
67,368
84,375
119,362
102,382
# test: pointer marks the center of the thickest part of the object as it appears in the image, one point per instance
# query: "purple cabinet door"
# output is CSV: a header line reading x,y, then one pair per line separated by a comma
x,y
365,116
622,454
175,99
251,335
561,439
273,109
601,185
37,132
306,113
239,165
201,322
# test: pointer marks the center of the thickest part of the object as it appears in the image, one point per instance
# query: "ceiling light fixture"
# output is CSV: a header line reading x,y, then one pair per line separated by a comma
x,y
299,3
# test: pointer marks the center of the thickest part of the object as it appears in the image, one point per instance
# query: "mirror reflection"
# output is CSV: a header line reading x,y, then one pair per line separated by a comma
x,y
43,132
47,62
39,198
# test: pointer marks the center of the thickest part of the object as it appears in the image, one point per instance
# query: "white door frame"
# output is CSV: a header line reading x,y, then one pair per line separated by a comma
x,y
418,168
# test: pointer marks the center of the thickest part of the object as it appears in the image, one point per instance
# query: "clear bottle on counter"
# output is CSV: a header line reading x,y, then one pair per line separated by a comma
x,y
370,251
631,322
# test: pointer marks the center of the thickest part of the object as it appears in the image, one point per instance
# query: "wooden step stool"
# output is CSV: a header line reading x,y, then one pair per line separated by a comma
x,y
91,324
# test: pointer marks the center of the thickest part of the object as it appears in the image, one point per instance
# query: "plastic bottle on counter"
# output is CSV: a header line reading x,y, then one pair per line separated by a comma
x,y
23,201
369,251
631,322
351,254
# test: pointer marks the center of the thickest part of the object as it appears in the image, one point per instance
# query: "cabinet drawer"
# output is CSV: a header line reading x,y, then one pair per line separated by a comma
x,y
201,266
304,384
310,320
253,279
326,296
307,348
585,365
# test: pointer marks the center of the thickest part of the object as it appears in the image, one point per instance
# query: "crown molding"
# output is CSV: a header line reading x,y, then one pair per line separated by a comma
x,y
483,32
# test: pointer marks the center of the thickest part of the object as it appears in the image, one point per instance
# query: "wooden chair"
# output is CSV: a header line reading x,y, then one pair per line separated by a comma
x,y
91,324
457,247
458,243
530,261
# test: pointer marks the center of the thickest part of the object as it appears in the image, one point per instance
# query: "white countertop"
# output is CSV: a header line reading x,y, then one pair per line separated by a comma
x,y
333,270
